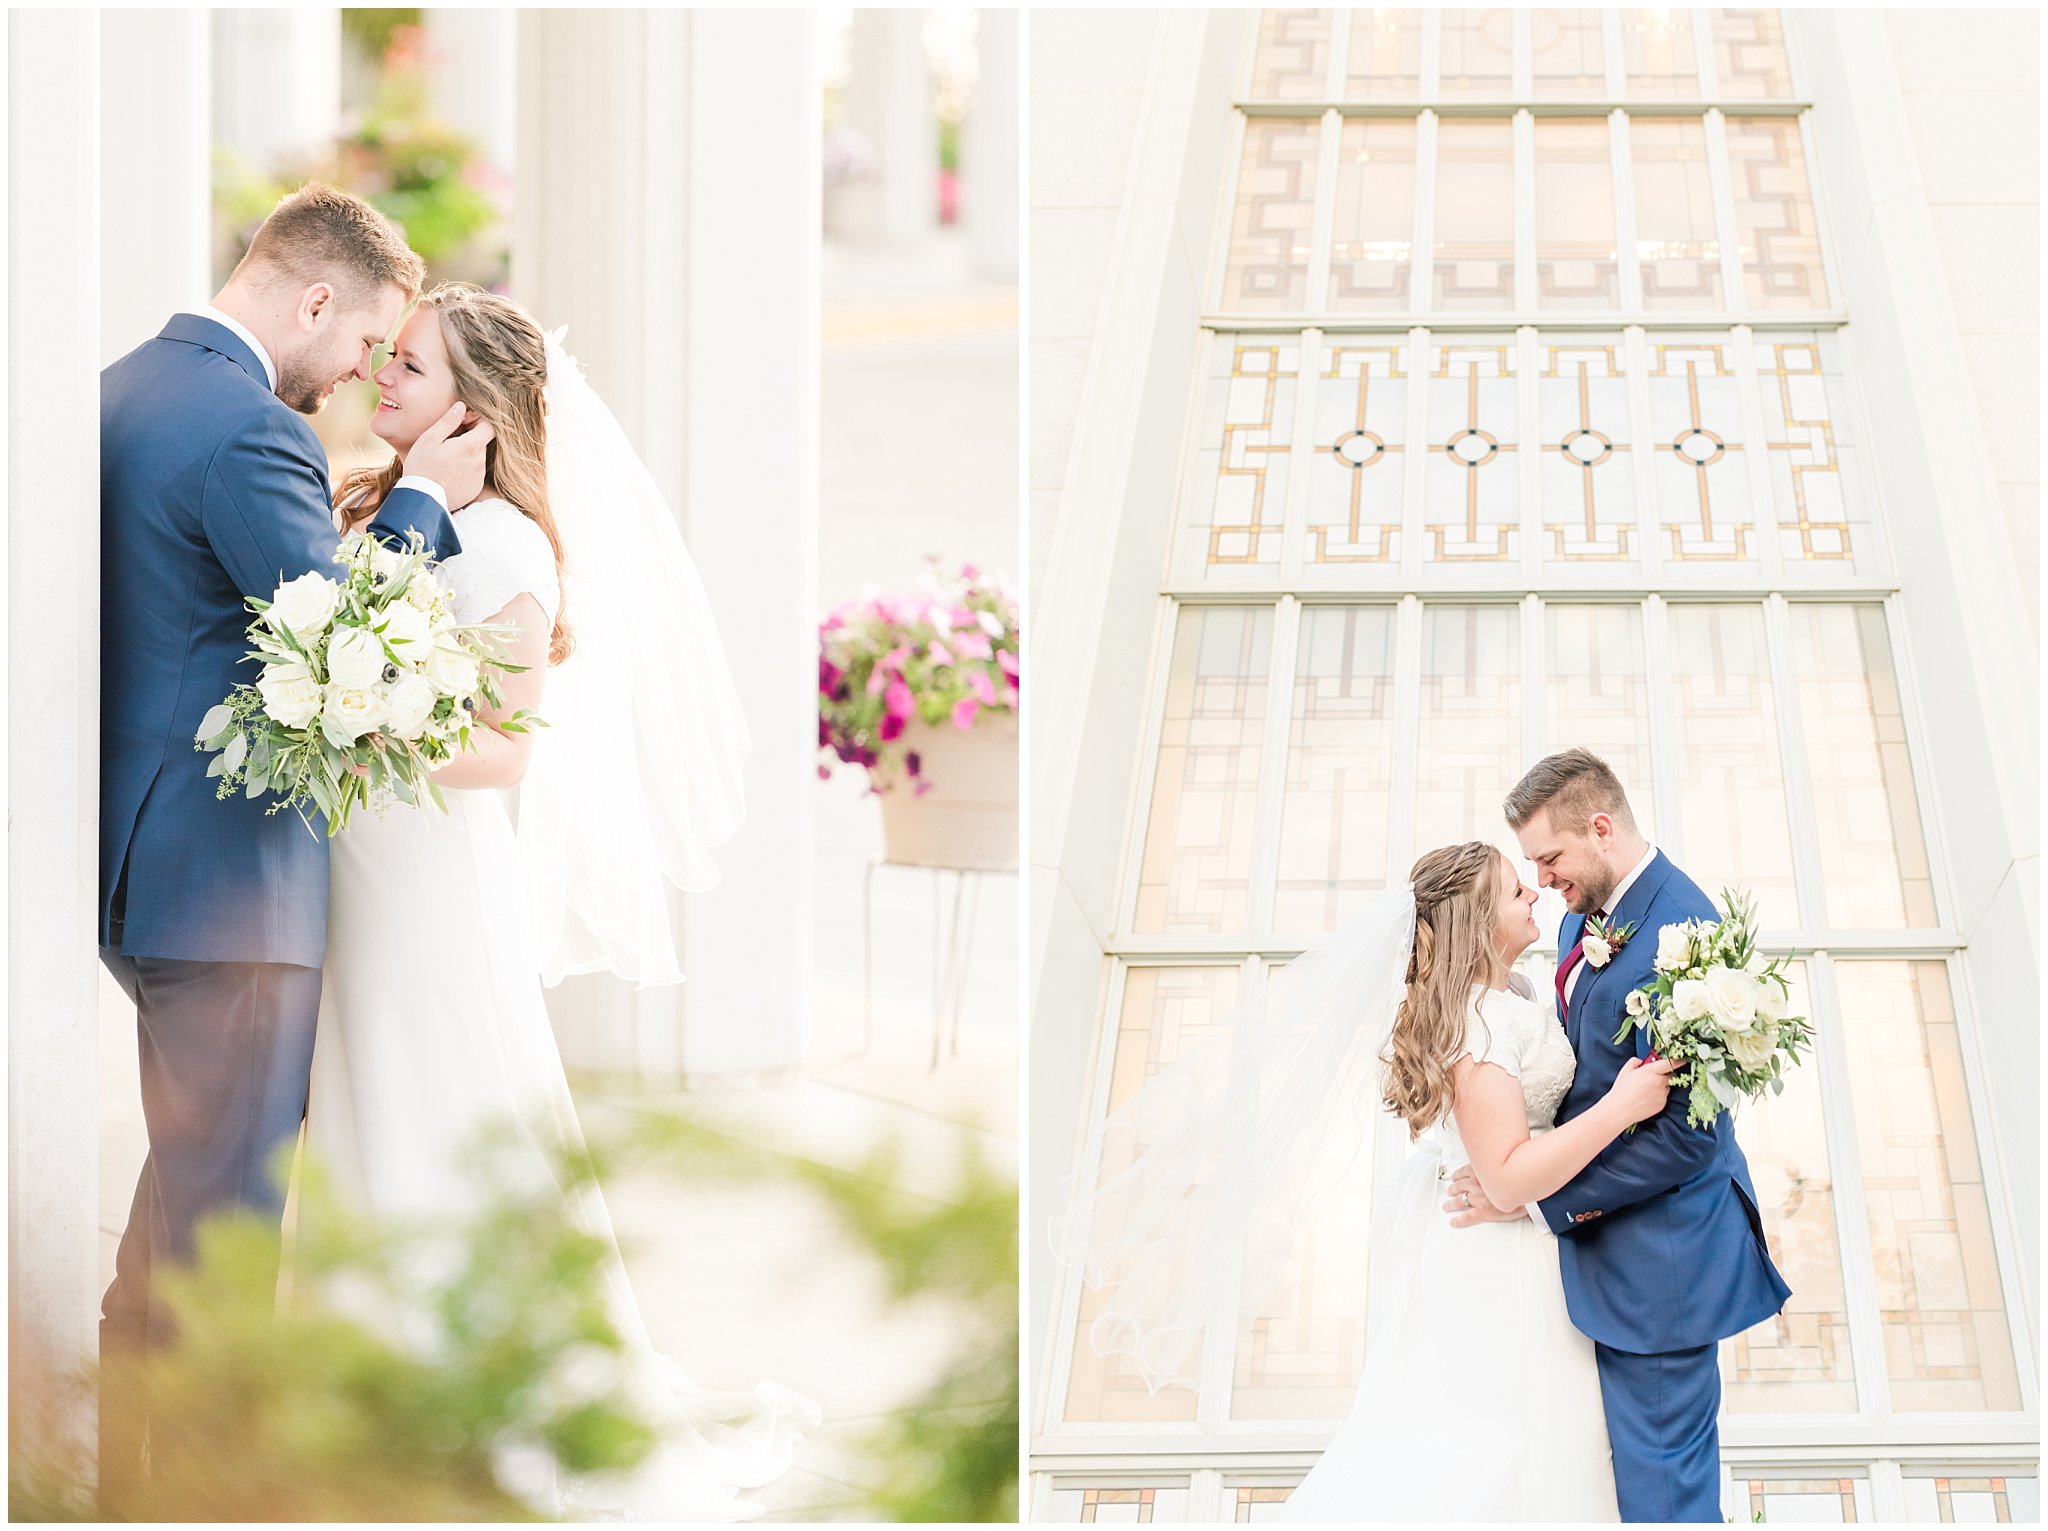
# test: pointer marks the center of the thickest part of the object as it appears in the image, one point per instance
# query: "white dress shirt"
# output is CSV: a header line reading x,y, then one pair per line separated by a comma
x,y
235,326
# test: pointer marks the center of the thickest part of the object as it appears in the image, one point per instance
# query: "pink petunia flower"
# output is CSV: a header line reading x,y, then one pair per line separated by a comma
x,y
964,712
979,683
939,653
898,700
1008,661
969,644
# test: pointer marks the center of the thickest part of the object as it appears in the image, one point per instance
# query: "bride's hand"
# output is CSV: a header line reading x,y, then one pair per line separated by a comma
x,y
1641,1089
1467,1203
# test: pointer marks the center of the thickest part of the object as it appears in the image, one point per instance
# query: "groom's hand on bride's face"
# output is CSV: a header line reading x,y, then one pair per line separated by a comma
x,y
452,457
1467,1203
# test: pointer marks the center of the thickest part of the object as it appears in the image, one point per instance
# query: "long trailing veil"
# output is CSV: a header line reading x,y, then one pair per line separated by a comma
x,y
1187,1199
638,775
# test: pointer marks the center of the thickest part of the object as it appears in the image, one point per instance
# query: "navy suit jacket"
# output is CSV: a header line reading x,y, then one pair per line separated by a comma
x,y
1660,1243
212,489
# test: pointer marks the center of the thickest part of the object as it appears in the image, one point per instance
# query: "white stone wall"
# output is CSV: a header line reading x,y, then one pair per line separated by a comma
x,y
1087,79
1972,86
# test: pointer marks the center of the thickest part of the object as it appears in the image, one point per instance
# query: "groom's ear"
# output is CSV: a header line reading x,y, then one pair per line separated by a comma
x,y
313,302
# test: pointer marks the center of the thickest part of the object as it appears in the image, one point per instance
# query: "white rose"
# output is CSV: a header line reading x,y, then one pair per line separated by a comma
x,y
1771,1002
1731,995
408,703
351,710
421,592
452,668
355,658
1689,998
407,632
1674,949
1753,1049
304,606
1598,952
1638,1003
290,694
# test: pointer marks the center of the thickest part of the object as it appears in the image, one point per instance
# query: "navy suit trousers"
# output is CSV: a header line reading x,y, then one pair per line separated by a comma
x,y
227,1048
1661,1413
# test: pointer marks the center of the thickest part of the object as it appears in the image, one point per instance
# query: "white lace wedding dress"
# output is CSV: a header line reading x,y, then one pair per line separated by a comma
x,y
432,1028
1479,1401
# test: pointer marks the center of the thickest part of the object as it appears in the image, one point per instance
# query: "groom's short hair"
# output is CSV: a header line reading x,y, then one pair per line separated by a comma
x,y
321,234
1574,785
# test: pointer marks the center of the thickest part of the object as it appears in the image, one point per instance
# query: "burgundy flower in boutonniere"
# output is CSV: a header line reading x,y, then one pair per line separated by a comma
x,y
1604,941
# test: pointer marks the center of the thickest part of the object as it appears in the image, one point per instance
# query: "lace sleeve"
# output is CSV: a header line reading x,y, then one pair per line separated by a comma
x,y
504,556
1494,1033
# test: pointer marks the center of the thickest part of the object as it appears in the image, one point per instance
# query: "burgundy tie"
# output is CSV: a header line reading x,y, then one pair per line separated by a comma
x,y
1564,971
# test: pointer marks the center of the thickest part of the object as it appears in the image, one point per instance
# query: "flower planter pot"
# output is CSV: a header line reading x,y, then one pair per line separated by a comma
x,y
969,817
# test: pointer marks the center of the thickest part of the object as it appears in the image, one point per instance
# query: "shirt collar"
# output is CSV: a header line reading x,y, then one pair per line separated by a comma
x,y
230,323
1621,888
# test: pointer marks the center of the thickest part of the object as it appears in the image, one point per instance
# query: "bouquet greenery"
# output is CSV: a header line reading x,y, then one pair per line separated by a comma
x,y
1719,1009
947,653
368,683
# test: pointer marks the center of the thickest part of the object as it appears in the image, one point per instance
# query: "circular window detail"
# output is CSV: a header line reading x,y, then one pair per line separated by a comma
x,y
1360,449
1472,447
1699,446
1587,447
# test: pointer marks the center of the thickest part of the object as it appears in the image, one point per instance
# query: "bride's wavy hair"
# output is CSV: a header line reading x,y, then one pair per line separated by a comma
x,y
500,361
1455,892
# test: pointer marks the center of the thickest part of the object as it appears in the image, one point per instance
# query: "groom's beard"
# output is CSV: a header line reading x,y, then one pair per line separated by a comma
x,y
301,390
1590,897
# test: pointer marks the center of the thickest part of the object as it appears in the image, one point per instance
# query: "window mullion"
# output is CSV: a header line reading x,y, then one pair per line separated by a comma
x,y
1610,52
1241,1120
1414,462
1852,1213
1627,254
1422,250
1643,451
1430,65
1535,676
1324,217
1721,180
1340,55
1703,53
1529,452
1822,225
1226,214
1799,814
1524,162
1407,736
1265,870
1663,729
1757,452
1138,815
1301,451
1521,51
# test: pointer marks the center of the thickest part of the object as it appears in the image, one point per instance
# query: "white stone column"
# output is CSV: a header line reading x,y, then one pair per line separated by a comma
x,y
991,148
890,102
277,75
155,171
472,60
687,273
52,666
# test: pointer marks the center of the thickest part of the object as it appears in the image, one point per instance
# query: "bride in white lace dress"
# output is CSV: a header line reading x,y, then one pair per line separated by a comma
x,y
1479,1400
432,1025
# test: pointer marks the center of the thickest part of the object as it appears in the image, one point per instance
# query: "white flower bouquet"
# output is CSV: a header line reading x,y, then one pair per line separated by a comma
x,y
368,683
1719,1010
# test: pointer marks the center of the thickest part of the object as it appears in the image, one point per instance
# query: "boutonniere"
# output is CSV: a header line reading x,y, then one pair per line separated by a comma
x,y
1602,940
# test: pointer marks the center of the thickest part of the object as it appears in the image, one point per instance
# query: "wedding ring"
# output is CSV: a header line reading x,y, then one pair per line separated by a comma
x,y
1465,1197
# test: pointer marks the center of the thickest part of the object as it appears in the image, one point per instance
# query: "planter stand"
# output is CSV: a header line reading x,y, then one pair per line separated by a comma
x,y
952,947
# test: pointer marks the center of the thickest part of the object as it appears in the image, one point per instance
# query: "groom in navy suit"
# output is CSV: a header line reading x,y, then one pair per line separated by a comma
x,y
1660,1244
212,914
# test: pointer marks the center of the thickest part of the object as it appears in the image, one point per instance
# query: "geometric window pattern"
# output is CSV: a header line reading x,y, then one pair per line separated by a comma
x,y
1366,459
1502,443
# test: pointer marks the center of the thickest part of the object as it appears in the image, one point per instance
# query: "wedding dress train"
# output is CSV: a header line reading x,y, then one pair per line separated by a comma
x,y
433,1030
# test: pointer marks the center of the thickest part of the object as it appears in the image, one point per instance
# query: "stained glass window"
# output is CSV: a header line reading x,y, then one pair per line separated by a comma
x,y
1659,55
1778,238
1568,55
1372,256
1269,237
1357,478
1198,840
1470,488
1749,55
1475,214
1293,59
1677,244
1576,260
1477,58
1384,62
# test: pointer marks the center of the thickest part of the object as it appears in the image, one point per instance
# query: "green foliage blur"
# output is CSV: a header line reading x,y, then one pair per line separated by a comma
x,y
428,179
309,1413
